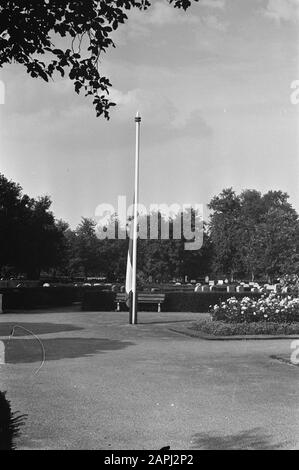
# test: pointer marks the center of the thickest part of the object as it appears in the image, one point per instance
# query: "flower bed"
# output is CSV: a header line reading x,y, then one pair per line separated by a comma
x,y
272,308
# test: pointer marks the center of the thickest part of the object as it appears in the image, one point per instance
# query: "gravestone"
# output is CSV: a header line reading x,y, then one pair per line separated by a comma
x,y
231,289
254,289
205,288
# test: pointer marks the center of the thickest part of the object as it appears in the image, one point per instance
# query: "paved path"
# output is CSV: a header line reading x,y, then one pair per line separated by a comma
x,y
109,385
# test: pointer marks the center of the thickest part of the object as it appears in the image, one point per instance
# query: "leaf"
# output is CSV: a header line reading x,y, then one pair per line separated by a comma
x,y
57,52
61,70
43,75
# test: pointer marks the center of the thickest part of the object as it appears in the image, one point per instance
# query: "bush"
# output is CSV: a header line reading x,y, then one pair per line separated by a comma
x,y
98,300
10,424
220,328
291,283
271,308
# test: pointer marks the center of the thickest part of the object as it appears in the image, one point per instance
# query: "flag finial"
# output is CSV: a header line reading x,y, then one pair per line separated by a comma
x,y
137,117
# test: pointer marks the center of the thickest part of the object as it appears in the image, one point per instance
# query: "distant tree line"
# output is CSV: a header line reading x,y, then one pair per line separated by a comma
x,y
248,235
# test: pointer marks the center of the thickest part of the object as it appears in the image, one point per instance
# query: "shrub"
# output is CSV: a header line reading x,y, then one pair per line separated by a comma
x,y
271,308
291,282
10,424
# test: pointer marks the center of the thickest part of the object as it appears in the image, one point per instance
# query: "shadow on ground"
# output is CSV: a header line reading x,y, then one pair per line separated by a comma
x,y
18,351
27,329
253,439
285,359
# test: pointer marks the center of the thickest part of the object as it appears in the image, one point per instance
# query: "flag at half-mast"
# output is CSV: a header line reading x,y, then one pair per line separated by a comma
x,y
129,272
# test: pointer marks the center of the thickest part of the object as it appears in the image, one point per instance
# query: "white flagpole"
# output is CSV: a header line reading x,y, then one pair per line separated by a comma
x,y
136,195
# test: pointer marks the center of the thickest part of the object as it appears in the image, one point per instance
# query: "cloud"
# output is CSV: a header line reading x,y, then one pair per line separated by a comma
x,y
213,3
163,119
153,105
211,21
160,14
282,10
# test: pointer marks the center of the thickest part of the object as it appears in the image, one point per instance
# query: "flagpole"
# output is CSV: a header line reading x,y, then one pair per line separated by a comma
x,y
136,196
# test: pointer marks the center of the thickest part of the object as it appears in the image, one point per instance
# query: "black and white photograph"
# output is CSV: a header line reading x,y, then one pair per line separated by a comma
x,y
149,228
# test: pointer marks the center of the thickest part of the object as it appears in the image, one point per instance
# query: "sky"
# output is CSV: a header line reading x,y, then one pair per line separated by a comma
x,y
213,89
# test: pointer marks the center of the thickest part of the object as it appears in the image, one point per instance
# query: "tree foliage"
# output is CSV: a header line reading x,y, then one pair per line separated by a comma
x,y
30,240
158,259
254,234
68,37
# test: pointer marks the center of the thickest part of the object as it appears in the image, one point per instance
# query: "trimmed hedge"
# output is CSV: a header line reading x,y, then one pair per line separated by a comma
x,y
102,300
37,297
199,302
174,301
27,298
98,301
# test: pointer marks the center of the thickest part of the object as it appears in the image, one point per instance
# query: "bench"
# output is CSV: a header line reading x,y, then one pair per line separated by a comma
x,y
142,299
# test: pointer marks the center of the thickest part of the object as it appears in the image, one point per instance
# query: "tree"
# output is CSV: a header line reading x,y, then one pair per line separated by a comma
x,y
224,223
42,239
196,263
278,242
84,249
29,28
62,250
254,234
13,209
29,238
159,259
252,210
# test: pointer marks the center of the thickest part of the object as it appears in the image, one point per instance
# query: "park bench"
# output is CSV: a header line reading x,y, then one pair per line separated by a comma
x,y
152,298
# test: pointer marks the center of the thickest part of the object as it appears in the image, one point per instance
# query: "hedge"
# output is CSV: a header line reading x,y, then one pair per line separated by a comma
x,y
98,301
37,297
101,300
199,302
26,298
174,301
